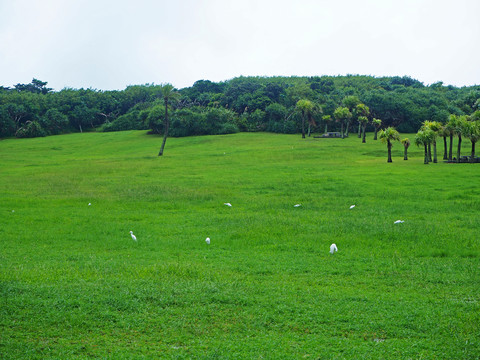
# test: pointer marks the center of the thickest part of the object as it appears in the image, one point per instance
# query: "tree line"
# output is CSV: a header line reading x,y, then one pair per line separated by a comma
x,y
459,127
273,104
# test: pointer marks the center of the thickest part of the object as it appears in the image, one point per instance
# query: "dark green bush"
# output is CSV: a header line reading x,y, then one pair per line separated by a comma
x,y
31,129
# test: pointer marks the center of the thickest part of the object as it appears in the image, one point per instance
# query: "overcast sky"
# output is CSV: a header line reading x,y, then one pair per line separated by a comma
x,y
110,44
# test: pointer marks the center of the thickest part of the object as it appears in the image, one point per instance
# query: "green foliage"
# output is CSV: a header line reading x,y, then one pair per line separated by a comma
x,y
30,130
342,114
156,118
471,130
424,137
405,142
7,125
129,121
351,102
388,135
363,120
401,102
53,122
275,115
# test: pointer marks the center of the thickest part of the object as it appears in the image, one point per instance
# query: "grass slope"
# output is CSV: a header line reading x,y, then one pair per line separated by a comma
x,y
74,285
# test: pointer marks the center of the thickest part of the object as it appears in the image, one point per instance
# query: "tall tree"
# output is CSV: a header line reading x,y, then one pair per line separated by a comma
x,y
376,123
450,126
326,119
460,125
444,132
169,94
362,110
436,127
364,121
387,136
472,131
423,138
406,145
306,109
342,115
351,103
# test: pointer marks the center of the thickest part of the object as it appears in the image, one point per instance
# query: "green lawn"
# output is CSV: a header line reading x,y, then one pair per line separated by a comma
x,y
73,284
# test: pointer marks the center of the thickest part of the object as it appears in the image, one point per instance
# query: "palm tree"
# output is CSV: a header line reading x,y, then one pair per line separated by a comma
x,y
435,126
350,102
342,114
305,107
472,131
460,127
169,94
423,138
406,144
387,136
377,123
450,128
362,111
444,132
364,121
326,119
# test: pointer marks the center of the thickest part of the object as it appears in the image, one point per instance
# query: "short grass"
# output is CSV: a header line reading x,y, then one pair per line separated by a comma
x,y
73,284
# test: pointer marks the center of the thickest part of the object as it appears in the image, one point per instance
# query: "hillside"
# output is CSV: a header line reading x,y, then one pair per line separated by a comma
x,y
73,284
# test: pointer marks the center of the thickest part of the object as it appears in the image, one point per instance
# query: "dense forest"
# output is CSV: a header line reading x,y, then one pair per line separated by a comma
x,y
273,104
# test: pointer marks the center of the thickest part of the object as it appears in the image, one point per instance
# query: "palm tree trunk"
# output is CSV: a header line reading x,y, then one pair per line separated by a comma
x,y
309,129
359,130
425,160
326,128
303,126
430,152
389,146
459,147
363,134
375,136
346,128
472,157
445,155
165,130
434,151
405,156
450,148
343,136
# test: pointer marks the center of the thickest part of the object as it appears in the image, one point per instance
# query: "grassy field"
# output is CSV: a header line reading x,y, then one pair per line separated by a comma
x,y
73,284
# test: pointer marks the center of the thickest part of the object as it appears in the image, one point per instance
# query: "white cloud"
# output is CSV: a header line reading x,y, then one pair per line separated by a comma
x,y
112,44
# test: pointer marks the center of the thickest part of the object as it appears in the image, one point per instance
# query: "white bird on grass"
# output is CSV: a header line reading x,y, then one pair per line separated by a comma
x,y
333,248
399,222
228,204
351,207
133,236
207,240
297,205
89,204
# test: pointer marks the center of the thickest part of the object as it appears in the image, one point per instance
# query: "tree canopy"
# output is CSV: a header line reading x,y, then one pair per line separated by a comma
x,y
253,103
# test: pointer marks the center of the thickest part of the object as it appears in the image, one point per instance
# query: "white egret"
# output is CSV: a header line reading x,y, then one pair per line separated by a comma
x,y
207,240
89,204
133,236
399,222
297,205
333,248
351,207
228,204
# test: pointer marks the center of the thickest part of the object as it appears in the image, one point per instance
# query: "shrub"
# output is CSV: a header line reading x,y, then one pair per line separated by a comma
x,y
128,121
31,129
